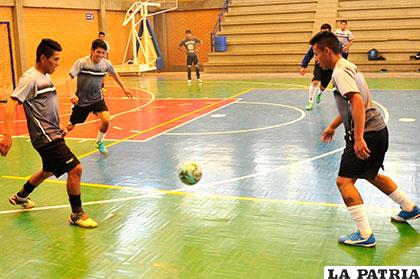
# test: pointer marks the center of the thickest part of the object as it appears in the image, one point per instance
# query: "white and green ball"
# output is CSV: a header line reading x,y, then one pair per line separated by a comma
x,y
190,173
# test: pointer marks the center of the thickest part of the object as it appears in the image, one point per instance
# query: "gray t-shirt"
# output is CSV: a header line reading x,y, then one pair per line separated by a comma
x,y
346,78
39,97
190,45
89,79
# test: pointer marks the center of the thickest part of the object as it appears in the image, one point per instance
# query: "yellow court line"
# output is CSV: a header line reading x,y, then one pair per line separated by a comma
x,y
214,196
167,122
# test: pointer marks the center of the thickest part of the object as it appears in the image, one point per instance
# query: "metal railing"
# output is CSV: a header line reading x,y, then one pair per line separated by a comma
x,y
218,26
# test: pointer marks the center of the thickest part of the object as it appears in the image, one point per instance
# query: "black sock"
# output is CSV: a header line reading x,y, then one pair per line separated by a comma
x,y
189,73
197,70
76,204
26,190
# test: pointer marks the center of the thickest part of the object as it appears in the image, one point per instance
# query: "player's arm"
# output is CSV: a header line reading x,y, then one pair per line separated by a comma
x,y
328,133
305,61
347,46
359,118
9,114
117,78
181,47
70,87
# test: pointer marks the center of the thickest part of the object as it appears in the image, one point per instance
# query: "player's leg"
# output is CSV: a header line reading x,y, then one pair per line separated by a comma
x,y
197,68
354,202
314,87
189,67
325,80
78,115
78,216
21,197
101,110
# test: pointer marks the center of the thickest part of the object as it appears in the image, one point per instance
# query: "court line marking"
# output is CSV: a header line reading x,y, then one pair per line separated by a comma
x,y
186,193
386,119
167,122
192,120
302,115
150,193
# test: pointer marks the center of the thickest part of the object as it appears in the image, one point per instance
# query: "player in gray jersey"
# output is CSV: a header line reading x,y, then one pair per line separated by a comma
x,y
90,72
366,141
39,98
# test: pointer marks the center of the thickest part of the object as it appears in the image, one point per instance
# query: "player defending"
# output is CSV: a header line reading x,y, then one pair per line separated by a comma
x,y
39,98
366,141
321,77
191,45
90,71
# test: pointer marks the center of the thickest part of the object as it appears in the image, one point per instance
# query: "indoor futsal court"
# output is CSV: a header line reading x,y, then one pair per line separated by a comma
x,y
267,204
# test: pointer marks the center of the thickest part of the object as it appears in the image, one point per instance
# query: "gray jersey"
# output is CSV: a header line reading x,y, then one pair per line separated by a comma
x,y
89,79
190,45
346,78
39,97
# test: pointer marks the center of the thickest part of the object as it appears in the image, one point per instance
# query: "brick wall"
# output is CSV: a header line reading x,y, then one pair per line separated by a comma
x,y
201,23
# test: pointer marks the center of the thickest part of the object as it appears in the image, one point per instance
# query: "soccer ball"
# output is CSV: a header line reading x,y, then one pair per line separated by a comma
x,y
190,173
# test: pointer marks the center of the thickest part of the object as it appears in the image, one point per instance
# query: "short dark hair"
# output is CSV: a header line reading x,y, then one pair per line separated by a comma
x,y
343,21
188,31
99,44
101,33
326,39
47,47
326,26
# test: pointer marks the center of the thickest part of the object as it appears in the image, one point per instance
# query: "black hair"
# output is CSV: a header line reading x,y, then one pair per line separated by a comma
x,y
188,31
47,47
326,26
326,39
101,33
99,44
343,21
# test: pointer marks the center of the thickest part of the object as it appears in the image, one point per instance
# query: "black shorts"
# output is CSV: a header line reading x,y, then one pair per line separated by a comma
x,y
352,167
324,76
192,59
79,114
57,158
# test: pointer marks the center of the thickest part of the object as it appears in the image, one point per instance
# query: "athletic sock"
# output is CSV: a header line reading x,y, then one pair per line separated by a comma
x,y
26,190
76,203
189,73
402,199
312,92
100,137
359,216
197,71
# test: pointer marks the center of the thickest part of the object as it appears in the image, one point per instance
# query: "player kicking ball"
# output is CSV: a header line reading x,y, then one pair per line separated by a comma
x,y
90,72
38,96
366,141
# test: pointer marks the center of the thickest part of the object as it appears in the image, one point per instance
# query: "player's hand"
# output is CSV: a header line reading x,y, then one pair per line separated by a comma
x,y
5,145
128,93
328,135
361,149
302,71
74,99
64,129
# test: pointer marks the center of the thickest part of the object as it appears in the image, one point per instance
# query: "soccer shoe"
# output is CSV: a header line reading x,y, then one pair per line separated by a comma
x,y
102,148
189,81
26,203
404,216
200,80
83,220
356,239
318,97
309,106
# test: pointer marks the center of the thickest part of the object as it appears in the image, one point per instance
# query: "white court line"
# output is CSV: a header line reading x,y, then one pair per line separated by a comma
x,y
117,128
302,115
194,119
186,188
